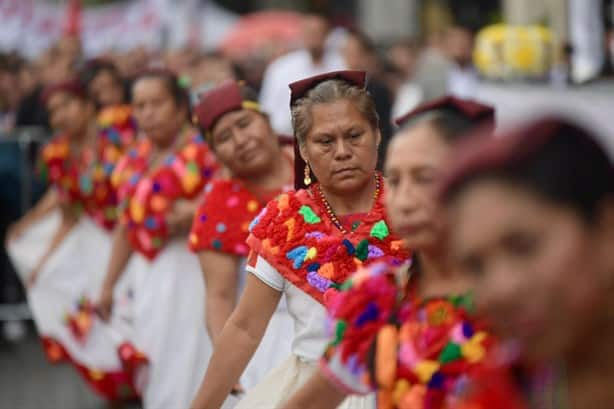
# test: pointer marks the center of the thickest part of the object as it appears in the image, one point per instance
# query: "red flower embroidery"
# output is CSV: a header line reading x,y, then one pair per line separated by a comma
x,y
295,235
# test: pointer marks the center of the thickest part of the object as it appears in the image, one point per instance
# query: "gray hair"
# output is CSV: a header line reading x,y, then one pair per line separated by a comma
x,y
327,92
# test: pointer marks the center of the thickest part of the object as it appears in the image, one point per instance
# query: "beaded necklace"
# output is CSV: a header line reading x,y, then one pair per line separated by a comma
x,y
329,210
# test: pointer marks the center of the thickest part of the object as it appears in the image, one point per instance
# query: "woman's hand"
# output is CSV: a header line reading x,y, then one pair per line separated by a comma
x,y
121,251
45,205
104,306
33,276
15,230
237,390
179,219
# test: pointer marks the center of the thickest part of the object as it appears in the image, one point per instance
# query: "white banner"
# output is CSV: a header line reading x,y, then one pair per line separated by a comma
x,y
30,26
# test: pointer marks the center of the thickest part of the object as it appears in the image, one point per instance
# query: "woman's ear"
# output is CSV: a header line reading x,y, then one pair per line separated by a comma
x,y
303,151
378,137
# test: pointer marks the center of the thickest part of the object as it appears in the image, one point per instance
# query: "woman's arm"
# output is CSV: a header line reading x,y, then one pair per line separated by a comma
x,y
44,206
221,280
237,342
68,221
121,250
317,393
179,219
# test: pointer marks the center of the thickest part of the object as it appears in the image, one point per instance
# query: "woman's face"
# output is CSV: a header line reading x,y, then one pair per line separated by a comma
x,y
156,111
69,114
413,165
106,90
341,147
244,142
542,275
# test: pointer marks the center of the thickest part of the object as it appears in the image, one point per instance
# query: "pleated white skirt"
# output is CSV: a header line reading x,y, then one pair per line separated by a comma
x,y
169,326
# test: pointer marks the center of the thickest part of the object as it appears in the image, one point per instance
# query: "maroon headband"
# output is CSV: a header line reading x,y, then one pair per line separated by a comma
x,y
483,153
72,87
300,88
219,101
470,109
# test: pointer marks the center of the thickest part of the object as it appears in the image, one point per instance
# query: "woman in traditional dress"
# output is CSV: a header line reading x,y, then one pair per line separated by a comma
x,y
386,338
305,244
261,168
67,236
104,83
158,184
532,223
71,116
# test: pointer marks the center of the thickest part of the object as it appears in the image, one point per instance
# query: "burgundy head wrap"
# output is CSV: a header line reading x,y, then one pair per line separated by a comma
x,y
482,153
72,87
219,101
472,110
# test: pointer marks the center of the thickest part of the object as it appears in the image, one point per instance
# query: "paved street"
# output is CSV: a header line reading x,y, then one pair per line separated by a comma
x,y
28,381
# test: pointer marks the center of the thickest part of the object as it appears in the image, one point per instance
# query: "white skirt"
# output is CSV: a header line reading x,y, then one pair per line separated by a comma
x,y
74,273
169,325
285,380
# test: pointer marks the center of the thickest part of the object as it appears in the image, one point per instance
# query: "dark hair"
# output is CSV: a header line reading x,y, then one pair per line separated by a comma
x,y
365,41
93,68
570,168
170,80
248,93
451,124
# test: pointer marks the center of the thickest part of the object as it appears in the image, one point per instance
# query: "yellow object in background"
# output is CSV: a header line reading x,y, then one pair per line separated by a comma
x,y
507,52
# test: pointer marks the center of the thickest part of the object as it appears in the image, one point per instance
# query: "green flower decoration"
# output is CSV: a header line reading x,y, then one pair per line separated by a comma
x,y
362,250
380,230
309,215
339,331
450,353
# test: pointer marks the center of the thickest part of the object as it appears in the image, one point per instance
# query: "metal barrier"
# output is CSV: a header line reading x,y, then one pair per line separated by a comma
x,y
25,138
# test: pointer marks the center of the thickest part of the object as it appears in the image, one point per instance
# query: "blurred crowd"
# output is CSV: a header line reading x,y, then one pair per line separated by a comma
x,y
403,72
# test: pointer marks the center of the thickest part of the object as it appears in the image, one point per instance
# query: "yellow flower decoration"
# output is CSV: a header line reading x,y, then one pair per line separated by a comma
x,y
472,350
424,370
252,206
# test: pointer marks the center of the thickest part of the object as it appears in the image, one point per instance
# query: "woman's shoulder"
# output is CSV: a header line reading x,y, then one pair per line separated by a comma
x,y
117,126
57,146
284,207
222,221
130,163
447,343
365,303
195,161
54,158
